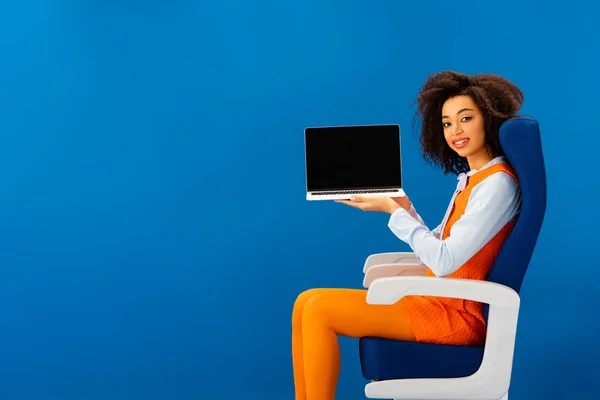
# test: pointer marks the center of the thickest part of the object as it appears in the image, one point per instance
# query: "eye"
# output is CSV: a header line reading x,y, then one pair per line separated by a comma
x,y
466,119
446,124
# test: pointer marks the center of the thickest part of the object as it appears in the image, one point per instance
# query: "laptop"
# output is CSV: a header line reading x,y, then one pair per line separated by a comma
x,y
342,161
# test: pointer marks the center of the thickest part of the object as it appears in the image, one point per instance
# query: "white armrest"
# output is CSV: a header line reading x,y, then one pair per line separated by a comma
x,y
391,290
390,258
492,380
388,270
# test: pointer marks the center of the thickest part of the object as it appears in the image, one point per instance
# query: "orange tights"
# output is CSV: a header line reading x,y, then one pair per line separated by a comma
x,y
319,316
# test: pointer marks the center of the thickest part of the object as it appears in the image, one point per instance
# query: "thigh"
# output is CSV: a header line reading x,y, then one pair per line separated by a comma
x,y
347,313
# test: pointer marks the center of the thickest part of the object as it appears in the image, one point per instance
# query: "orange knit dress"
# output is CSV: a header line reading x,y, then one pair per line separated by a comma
x,y
456,321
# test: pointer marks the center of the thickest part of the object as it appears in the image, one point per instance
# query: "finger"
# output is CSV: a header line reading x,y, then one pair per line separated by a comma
x,y
359,198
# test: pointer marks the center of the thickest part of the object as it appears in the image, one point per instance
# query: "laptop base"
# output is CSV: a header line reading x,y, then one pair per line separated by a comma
x,y
347,194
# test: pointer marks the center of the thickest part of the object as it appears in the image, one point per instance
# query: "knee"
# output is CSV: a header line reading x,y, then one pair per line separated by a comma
x,y
299,306
316,310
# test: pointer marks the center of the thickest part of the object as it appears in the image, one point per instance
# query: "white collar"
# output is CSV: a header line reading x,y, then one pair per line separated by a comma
x,y
462,178
497,160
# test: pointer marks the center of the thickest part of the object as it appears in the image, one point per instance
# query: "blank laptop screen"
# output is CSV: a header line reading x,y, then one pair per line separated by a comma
x,y
353,157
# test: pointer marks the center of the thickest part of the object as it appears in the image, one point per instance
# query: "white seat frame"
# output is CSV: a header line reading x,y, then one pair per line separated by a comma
x,y
391,276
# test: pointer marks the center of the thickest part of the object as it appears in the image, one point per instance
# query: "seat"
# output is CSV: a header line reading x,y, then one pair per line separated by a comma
x,y
410,370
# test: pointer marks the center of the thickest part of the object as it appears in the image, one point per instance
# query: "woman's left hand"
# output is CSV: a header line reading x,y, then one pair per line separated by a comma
x,y
372,203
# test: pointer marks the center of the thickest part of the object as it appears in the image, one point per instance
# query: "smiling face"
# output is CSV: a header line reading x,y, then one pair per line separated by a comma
x,y
464,130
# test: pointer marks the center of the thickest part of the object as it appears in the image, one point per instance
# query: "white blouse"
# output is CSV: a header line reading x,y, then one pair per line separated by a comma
x,y
493,203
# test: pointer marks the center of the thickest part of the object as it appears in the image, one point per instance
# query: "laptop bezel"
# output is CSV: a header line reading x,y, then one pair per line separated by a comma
x,y
399,149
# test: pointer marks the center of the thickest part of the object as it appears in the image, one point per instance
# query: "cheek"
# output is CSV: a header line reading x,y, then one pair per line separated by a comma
x,y
482,131
478,134
479,138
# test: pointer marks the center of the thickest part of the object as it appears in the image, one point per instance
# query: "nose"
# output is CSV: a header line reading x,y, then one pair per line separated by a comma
x,y
456,129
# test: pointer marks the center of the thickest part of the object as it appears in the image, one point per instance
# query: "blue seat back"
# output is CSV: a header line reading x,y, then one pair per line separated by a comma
x,y
521,141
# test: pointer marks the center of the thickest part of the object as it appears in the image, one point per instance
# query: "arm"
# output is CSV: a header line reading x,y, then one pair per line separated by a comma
x,y
396,263
413,213
493,203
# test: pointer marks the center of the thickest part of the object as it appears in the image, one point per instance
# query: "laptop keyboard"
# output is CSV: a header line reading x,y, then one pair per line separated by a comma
x,y
355,192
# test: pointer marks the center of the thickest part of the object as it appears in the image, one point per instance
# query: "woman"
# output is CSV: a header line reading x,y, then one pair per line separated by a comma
x,y
460,120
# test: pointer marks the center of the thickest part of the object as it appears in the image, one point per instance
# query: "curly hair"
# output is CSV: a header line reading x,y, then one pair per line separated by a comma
x,y
497,98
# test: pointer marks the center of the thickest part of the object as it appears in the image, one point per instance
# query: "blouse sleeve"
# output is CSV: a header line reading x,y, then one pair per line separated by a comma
x,y
492,204
413,213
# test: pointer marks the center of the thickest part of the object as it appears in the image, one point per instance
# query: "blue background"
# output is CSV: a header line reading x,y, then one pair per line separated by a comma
x,y
155,232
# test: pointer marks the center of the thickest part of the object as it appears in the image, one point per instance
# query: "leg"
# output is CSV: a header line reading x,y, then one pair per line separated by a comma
x,y
297,351
327,313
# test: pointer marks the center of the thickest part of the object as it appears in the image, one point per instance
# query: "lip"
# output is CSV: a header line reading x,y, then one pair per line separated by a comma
x,y
458,146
